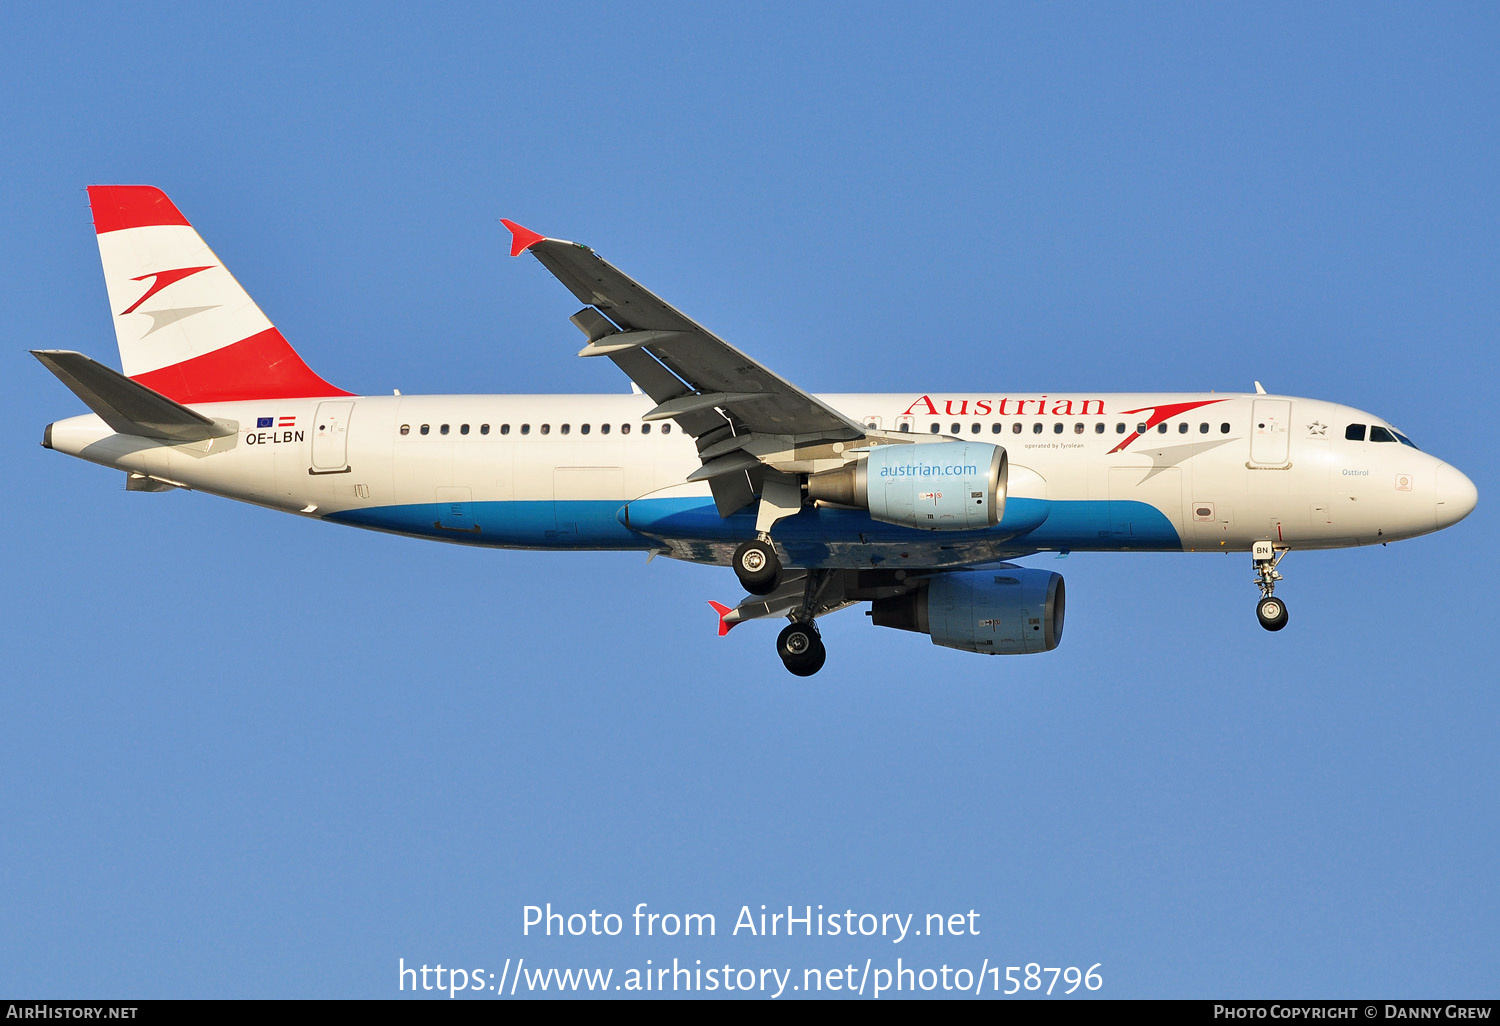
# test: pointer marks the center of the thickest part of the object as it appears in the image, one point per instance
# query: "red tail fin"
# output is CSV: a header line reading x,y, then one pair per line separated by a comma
x,y
185,327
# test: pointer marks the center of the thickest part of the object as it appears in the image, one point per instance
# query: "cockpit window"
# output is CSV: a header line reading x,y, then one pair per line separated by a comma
x,y
1355,432
1404,440
1380,434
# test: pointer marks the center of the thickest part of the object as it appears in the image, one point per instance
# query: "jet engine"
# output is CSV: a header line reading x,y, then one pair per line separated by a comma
x,y
1005,611
944,486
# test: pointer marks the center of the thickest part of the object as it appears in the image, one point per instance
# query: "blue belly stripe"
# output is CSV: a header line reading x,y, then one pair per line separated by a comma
x,y
599,524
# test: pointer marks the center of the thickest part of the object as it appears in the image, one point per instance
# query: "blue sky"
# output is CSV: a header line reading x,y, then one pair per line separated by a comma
x,y
246,754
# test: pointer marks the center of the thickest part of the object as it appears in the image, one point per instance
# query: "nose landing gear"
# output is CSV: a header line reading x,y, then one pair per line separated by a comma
x,y
1270,610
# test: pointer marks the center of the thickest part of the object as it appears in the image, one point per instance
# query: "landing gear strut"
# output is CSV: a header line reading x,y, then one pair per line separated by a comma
x,y
1270,610
757,567
801,648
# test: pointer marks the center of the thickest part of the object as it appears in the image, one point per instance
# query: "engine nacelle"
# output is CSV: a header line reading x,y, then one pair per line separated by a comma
x,y
1009,611
944,486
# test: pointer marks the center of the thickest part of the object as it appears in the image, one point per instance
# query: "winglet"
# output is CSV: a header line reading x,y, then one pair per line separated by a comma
x,y
521,239
723,611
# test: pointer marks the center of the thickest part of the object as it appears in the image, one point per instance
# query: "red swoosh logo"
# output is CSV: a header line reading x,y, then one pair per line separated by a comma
x,y
163,279
1159,414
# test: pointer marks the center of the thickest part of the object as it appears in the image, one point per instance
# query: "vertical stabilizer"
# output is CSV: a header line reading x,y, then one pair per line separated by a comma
x,y
185,327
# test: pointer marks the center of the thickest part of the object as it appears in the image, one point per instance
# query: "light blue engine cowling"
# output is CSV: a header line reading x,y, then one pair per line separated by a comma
x,y
1009,610
943,486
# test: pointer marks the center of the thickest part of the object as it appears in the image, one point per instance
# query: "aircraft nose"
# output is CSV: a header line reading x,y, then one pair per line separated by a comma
x,y
1456,495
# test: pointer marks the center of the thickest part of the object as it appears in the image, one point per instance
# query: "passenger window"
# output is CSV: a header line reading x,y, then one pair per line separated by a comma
x,y
443,430
406,429
995,429
936,428
1355,432
666,429
1182,428
956,428
1036,428
1203,428
1140,428
583,429
974,428
1078,429
1099,428
463,429
484,429
505,429
1015,428
546,429
904,426
1120,428
1161,428
1057,428
645,429
1224,428
564,429
425,429
604,429
525,429
1380,434
624,429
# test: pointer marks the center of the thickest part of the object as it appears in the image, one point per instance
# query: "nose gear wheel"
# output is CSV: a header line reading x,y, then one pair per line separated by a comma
x,y
1270,611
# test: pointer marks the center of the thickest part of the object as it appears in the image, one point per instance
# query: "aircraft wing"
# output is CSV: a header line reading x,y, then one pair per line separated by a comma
x,y
704,365
720,396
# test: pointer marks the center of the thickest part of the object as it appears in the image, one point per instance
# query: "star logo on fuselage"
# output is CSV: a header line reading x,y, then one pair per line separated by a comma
x,y
1318,428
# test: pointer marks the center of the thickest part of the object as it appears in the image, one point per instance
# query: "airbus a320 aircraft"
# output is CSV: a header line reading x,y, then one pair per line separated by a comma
x,y
915,502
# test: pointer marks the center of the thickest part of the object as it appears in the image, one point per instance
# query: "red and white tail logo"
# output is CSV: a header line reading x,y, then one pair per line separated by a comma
x,y
185,327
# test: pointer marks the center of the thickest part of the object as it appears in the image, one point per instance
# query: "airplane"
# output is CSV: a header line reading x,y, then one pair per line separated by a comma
x,y
918,503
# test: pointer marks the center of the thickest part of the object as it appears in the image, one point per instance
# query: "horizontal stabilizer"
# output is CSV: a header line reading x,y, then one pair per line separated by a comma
x,y
127,406
142,483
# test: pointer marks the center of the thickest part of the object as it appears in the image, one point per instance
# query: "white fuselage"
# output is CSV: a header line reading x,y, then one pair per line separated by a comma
x,y
1218,473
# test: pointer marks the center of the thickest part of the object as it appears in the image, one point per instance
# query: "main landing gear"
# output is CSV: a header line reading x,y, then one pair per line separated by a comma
x,y
801,648
799,644
1270,610
757,567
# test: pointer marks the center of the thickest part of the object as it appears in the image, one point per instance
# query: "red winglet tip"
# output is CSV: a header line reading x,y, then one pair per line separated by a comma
x,y
723,610
521,238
